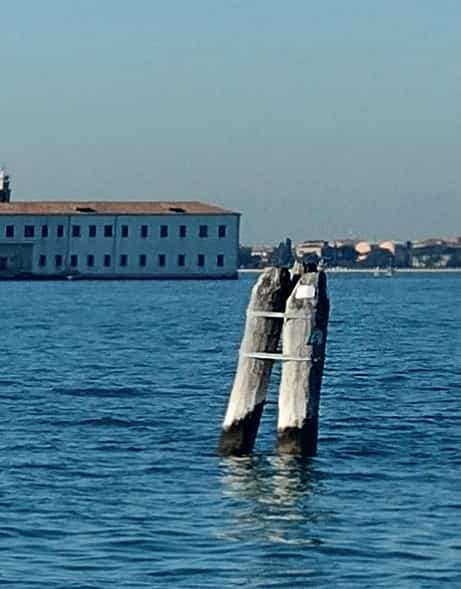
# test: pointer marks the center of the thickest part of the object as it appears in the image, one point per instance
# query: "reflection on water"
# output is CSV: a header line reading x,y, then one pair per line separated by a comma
x,y
271,498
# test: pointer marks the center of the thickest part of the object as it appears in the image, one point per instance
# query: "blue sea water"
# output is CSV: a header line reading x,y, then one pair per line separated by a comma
x,y
111,398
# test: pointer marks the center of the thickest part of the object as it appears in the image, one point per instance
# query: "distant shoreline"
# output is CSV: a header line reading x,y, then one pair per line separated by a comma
x,y
365,270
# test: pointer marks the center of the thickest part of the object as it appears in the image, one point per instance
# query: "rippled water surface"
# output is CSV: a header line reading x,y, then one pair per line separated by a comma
x,y
111,398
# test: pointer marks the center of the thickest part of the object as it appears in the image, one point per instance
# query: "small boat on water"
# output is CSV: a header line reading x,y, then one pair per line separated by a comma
x,y
73,276
386,272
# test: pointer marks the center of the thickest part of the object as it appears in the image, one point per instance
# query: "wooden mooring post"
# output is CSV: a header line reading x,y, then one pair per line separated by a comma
x,y
263,325
304,341
296,307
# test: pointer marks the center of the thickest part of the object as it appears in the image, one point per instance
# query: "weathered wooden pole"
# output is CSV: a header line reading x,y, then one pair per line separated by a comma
x,y
304,340
259,343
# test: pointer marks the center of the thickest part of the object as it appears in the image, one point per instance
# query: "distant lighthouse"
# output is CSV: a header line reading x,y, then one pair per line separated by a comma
x,y
5,191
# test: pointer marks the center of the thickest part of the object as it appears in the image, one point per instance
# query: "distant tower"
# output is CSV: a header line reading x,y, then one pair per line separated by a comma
x,y
5,191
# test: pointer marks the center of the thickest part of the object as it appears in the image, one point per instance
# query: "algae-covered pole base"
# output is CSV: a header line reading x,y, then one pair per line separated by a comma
x,y
262,332
304,340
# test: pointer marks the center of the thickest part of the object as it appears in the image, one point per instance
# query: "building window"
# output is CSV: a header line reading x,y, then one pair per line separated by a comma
x,y
144,231
29,231
74,261
92,231
163,230
222,230
182,231
142,260
220,260
107,230
75,230
203,231
44,230
90,260
60,231
58,261
201,260
107,260
124,231
161,260
42,261
123,260
181,259
10,230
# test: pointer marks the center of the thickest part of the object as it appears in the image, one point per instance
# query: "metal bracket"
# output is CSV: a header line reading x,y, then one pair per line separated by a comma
x,y
274,356
277,315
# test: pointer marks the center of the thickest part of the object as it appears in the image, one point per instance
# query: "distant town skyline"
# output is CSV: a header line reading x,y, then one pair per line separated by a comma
x,y
314,120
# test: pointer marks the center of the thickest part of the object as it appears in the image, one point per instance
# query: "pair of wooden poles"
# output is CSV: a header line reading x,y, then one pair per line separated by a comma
x,y
291,305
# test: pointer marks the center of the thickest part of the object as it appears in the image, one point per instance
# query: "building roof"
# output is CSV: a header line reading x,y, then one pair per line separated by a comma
x,y
111,208
363,248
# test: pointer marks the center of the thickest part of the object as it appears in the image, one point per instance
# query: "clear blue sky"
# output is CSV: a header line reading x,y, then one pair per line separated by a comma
x,y
314,119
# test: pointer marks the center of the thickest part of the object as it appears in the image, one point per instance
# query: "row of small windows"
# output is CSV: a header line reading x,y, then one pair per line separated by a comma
x,y
123,260
108,231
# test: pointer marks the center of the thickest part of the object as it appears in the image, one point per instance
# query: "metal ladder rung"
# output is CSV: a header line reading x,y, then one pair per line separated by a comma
x,y
268,314
276,315
273,356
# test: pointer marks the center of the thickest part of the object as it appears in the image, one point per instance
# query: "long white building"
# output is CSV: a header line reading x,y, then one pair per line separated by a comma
x,y
117,240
